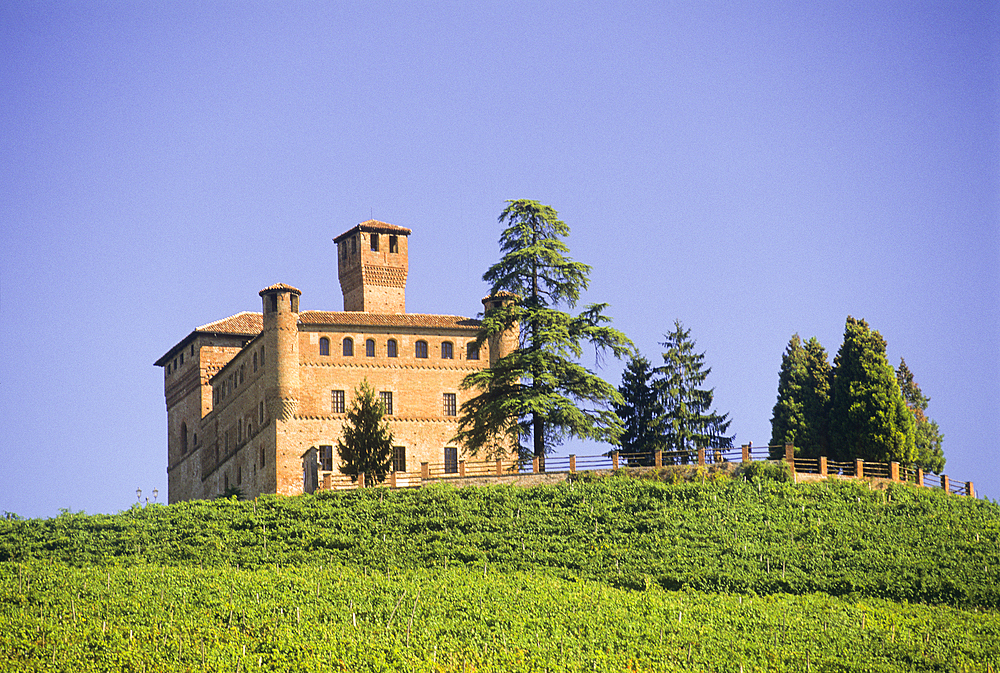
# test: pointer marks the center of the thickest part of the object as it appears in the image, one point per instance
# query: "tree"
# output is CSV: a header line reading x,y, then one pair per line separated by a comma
x,y
640,411
868,416
538,391
689,422
928,437
801,415
366,445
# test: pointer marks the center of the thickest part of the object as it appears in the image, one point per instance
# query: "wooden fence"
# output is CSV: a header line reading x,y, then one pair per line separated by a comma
x,y
499,470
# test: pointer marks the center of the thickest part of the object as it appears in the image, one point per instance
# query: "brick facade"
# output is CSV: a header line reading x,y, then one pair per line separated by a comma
x,y
249,395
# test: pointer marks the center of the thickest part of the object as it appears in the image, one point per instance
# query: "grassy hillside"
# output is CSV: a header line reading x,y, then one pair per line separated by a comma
x,y
619,573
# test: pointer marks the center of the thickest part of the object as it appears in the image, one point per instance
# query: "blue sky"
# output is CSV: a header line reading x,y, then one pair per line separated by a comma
x,y
752,169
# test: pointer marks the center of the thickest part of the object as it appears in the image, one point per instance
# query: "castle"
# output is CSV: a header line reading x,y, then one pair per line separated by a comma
x,y
250,395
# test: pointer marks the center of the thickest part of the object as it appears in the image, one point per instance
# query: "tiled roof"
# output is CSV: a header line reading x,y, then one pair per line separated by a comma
x,y
280,286
247,322
376,226
360,318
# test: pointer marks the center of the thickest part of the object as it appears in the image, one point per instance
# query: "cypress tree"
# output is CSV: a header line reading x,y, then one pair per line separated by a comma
x,y
788,422
928,438
366,445
868,416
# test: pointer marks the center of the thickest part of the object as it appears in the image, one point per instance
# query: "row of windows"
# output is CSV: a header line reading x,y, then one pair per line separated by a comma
x,y
338,402
392,349
236,379
373,242
398,458
178,361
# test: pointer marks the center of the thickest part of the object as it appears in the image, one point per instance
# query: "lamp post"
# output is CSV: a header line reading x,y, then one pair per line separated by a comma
x,y
155,493
138,495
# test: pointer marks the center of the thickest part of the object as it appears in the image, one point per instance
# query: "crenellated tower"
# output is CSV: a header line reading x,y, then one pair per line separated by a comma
x,y
372,265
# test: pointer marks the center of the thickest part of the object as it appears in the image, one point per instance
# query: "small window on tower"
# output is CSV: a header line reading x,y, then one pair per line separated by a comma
x,y
391,348
348,347
370,348
324,346
374,242
354,244
394,245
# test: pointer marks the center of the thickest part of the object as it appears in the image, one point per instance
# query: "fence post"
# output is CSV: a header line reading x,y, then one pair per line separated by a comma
x,y
970,490
701,455
499,467
572,463
746,453
920,476
614,460
859,468
894,471
326,481
361,479
534,464
822,466
659,458
945,483
461,468
425,471
392,479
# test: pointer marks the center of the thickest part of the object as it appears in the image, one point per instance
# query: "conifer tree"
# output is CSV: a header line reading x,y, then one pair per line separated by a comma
x,y
801,414
868,417
640,411
538,394
689,421
928,437
366,445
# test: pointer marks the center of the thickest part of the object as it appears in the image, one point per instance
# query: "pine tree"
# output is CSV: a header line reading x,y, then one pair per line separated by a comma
x,y
868,416
689,422
640,412
366,445
539,393
928,439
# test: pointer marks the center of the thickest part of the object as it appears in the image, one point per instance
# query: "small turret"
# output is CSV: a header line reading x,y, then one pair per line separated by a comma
x,y
281,344
507,342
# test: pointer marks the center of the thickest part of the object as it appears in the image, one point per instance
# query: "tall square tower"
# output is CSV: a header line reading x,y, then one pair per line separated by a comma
x,y
372,265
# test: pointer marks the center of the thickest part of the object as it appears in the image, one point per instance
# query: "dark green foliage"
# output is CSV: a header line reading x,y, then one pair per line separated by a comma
x,y
928,438
801,416
539,393
689,423
641,413
868,418
366,445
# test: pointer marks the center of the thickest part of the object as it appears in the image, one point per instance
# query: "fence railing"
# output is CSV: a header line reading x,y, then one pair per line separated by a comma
x,y
615,460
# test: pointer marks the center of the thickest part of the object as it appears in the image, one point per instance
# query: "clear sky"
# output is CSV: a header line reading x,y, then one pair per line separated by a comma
x,y
752,169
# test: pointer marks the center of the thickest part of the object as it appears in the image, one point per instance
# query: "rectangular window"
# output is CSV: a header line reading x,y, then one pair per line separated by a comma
x,y
262,411
399,459
374,241
262,455
337,401
326,458
450,460
386,397
472,352
449,404
390,348
393,244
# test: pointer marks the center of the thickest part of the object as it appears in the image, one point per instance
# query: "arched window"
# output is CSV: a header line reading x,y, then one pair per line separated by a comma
x,y
370,348
390,348
421,349
324,346
348,347
472,351
447,350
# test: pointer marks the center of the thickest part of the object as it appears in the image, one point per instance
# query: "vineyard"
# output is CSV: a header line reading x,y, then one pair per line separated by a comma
x,y
613,574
